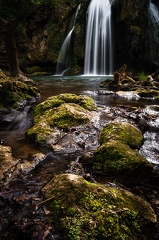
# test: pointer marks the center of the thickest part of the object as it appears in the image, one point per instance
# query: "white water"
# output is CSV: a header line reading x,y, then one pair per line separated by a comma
x,y
154,11
98,50
150,148
63,62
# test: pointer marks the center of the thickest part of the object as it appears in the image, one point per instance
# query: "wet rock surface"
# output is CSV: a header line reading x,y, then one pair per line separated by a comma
x,y
66,123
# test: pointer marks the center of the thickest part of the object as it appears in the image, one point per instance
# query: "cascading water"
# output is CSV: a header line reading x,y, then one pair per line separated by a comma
x,y
150,147
63,62
154,29
154,11
98,50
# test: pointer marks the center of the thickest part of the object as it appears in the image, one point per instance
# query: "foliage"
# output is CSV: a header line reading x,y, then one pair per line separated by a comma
x,y
142,76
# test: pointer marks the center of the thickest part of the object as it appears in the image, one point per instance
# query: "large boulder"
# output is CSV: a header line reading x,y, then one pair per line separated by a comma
x,y
61,116
13,91
84,210
118,154
123,132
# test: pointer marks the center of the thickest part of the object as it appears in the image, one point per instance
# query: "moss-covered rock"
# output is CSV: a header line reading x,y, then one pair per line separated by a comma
x,y
123,132
6,159
60,113
55,101
115,157
12,91
118,154
83,210
63,117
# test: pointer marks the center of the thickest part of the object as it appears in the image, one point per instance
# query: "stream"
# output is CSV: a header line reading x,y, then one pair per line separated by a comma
x,y
22,215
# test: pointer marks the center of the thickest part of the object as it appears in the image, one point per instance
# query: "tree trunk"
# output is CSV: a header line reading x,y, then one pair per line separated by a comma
x,y
8,31
11,49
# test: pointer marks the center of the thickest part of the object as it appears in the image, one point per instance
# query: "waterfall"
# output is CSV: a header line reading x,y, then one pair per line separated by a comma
x,y
154,17
63,62
98,50
154,11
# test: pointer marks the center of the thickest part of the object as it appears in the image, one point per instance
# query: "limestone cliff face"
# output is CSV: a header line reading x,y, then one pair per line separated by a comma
x,y
44,28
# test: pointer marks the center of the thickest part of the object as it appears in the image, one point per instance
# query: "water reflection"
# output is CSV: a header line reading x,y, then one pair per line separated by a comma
x,y
89,85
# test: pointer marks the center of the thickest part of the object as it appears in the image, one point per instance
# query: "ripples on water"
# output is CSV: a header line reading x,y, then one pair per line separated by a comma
x,y
150,148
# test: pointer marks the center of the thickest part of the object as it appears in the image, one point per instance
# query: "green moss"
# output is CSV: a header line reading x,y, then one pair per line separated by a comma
x,y
68,115
142,76
116,157
123,132
82,210
40,133
136,29
60,112
55,101
12,92
118,154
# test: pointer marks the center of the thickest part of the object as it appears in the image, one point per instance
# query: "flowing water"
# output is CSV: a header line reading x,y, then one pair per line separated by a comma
x,y
98,50
154,11
64,59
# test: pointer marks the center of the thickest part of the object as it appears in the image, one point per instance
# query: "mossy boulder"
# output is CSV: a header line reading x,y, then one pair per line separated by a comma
x,y
118,154
83,210
59,114
12,91
55,101
118,159
123,132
